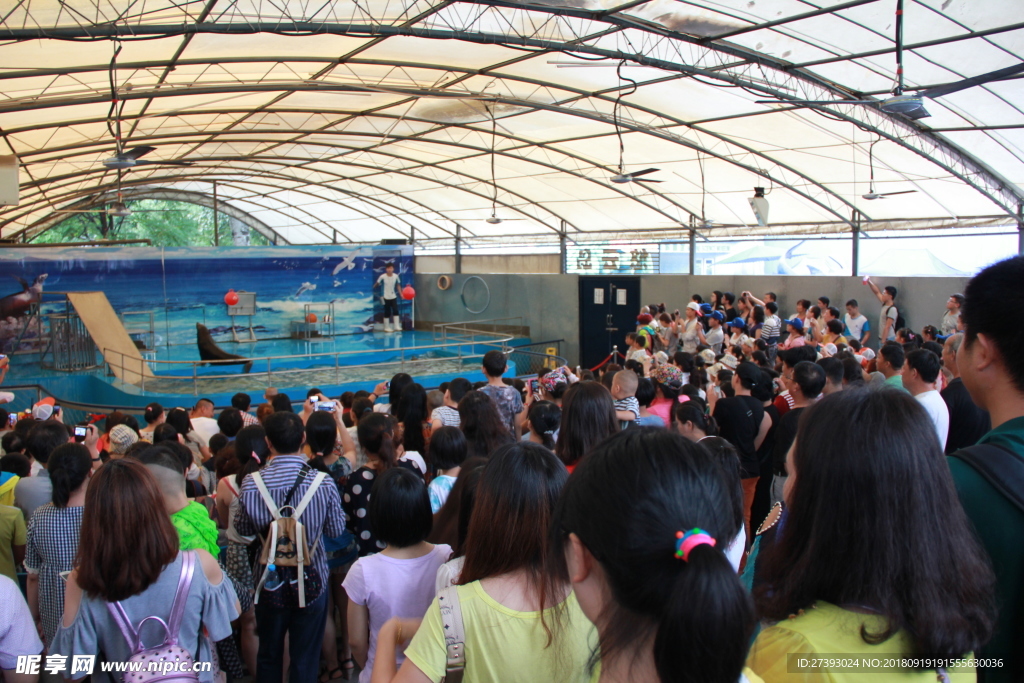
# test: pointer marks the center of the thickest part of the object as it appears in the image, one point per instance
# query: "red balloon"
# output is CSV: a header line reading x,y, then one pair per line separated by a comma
x,y
231,298
408,293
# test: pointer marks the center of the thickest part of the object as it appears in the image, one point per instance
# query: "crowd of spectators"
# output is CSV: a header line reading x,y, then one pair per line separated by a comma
x,y
745,488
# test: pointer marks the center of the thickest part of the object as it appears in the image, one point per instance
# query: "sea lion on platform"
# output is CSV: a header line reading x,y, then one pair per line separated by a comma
x,y
213,354
17,305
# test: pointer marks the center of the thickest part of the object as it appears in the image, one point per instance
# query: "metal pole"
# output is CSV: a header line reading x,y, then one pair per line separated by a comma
x,y
216,230
563,250
693,252
1020,228
856,244
458,248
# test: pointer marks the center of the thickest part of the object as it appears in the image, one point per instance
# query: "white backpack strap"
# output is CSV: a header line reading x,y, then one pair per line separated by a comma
x,y
270,560
454,634
265,494
301,562
301,559
310,492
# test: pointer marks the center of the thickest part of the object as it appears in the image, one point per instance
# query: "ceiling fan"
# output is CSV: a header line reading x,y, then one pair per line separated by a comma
x,y
911,106
125,159
635,176
131,158
622,177
872,195
493,218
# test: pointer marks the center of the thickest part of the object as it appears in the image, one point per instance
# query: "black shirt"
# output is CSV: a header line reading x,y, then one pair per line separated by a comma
x,y
785,435
967,422
730,314
739,419
764,453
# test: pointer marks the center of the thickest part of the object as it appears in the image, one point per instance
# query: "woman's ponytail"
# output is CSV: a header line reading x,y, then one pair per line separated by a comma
x,y
68,467
707,605
377,437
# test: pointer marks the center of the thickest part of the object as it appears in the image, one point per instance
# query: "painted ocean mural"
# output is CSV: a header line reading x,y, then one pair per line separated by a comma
x,y
183,286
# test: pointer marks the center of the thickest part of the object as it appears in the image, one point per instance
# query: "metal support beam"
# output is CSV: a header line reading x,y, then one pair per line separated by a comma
x,y
563,250
458,248
855,256
216,225
1020,228
693,252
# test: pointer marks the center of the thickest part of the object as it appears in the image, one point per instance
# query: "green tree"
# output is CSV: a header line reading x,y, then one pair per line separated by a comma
x,y
165,223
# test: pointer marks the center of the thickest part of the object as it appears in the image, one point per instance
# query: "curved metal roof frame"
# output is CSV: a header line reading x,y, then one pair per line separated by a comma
x,y
96,201
605,33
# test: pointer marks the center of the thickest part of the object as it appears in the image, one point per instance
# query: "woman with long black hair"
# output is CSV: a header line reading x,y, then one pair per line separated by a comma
x,y
876,556
588,418
481,422
642,532
509,602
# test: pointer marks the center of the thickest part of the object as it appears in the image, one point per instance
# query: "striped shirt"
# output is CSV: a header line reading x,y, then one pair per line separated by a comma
x,y
322,517
771,329
249,420
448,416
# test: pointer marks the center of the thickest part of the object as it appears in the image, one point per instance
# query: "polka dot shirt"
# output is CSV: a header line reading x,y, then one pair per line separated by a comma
x,y
356,502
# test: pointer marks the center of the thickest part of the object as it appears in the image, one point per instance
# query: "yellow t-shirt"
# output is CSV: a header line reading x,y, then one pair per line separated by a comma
x,y
12,532
747,676
505,645
831,632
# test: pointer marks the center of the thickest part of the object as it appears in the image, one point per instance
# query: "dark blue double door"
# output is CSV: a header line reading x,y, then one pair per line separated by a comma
x,y
608,310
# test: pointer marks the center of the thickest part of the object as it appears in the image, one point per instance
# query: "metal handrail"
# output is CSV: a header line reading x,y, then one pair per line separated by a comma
x,y
140,365
444,328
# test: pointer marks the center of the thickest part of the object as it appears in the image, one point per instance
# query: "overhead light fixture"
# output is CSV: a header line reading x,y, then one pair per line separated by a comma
x,y
760,206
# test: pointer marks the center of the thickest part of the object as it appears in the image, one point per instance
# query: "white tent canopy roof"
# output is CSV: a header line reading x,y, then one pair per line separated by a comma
x,y
342,121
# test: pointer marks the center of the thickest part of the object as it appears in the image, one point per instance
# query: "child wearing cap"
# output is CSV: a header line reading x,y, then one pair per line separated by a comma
x,y
692,332
122,437
715,335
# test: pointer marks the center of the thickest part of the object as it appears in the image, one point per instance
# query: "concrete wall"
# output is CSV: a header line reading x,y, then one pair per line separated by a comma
x,y
921,300
549,304
479,265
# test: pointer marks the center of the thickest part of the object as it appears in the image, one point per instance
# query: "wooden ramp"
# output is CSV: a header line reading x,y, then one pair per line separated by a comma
x,y
105,328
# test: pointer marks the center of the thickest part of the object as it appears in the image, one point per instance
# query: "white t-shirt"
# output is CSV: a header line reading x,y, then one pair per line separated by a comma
x,y
938,412
856,327
714,338
390,284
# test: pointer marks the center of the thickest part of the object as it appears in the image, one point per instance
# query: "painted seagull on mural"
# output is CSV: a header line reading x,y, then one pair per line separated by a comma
x,y
349,262
306,287
17,305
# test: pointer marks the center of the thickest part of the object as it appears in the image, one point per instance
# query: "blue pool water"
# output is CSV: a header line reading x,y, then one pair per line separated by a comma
x,y
364,360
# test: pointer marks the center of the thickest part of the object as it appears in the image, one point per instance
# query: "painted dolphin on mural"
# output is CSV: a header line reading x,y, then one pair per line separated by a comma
x,y
17,305
213,354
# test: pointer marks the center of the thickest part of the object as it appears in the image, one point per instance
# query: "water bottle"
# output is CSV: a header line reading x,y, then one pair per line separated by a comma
x,y
273,580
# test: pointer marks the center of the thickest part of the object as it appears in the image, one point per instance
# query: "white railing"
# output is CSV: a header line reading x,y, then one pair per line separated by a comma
x,y
332,359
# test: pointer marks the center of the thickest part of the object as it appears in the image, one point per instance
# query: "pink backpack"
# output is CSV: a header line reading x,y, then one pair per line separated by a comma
x,y
167,662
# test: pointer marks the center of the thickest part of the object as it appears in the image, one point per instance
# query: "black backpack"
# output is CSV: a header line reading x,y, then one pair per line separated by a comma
x,y
901,322
1001,468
